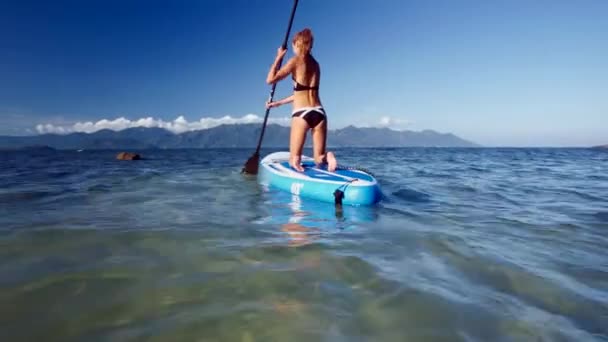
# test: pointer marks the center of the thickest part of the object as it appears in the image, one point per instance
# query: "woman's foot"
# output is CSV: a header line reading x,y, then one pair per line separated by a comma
x,y
295,163
332,163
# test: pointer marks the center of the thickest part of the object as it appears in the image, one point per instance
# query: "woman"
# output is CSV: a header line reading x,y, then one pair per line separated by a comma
x,y
307,111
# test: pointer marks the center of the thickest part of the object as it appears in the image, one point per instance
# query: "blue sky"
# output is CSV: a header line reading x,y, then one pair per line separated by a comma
x,y
500,73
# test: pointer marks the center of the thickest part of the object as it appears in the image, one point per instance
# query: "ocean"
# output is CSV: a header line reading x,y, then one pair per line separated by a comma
x,y
477,244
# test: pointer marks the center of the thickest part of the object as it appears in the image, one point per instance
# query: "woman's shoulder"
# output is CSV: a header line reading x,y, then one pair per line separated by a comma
x,y
304,58
305,64
309,61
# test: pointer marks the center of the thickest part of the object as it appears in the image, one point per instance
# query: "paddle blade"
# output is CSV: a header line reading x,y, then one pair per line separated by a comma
x,y
252,164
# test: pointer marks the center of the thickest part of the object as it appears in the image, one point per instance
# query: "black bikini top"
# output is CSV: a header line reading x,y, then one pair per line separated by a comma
x,y
299,87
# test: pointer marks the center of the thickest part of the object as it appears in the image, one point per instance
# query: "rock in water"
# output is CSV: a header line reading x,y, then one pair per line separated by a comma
x,y
128,156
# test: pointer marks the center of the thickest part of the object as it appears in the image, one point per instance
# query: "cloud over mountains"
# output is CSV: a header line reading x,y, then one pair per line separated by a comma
x,y
181,124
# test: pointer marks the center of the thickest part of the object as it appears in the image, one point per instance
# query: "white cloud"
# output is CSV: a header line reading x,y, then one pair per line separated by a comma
x,y
179,125
385,122
395,123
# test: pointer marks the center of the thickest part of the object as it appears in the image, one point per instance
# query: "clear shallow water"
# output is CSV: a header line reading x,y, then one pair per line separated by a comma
x,y
468,245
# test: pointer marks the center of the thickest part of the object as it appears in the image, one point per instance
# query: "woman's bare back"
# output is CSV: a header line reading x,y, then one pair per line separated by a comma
x,y
307,73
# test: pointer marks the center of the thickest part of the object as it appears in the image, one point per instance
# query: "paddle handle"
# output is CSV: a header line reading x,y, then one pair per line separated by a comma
x,y
274,85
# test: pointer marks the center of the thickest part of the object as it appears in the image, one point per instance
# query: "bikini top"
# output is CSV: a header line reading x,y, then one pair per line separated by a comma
x,y
299,87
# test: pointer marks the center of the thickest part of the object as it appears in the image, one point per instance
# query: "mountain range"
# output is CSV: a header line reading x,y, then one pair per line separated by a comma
x,y
234,135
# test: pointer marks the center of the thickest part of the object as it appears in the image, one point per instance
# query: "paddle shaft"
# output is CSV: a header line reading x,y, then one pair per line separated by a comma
x,y
274,85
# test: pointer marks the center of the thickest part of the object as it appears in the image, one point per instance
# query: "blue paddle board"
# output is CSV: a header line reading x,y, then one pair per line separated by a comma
x,y
356,186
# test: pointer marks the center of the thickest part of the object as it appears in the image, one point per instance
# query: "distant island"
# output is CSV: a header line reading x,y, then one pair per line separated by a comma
x,y
234,135
601,146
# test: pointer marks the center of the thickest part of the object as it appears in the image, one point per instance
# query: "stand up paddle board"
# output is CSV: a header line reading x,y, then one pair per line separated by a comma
x,y
344,186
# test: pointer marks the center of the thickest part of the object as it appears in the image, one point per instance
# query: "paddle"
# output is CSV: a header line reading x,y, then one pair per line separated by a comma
x,y
252,164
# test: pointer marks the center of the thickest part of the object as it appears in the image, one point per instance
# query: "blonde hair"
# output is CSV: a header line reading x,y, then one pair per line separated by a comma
x,y
303,40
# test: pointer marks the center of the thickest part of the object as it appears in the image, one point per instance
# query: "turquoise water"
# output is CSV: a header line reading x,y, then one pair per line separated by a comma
x,y
467,245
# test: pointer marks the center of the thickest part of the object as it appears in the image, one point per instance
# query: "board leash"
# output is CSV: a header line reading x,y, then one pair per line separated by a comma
x,y
339,192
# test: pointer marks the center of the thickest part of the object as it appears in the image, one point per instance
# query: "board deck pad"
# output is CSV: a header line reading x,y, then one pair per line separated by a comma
x,y
320,172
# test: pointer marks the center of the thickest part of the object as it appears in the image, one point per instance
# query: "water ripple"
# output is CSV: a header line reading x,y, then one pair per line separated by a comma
x,y
467,245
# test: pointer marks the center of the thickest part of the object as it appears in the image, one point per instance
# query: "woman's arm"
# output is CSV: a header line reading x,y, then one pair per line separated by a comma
x,y
281,102
275,75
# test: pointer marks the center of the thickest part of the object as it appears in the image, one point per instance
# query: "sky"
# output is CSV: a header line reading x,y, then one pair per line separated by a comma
x,y
499,73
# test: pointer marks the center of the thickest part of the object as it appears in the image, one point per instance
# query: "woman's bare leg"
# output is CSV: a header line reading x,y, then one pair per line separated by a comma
x,y
296,142
319,141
